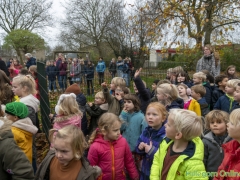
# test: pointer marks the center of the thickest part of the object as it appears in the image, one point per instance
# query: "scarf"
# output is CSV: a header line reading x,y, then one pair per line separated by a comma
x,y
231,99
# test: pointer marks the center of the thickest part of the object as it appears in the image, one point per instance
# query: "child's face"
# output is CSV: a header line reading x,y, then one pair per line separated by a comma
x,y
223,83
171,131
229,90
236,94
113,133
51,63
99,101
154,118
154,86
195,95
112,86
119,91
218,127
17,89
180,78
11,117
15,62
182,91
233,130
128,106
160,96
63,150
231,71
135,88
168,73
197,80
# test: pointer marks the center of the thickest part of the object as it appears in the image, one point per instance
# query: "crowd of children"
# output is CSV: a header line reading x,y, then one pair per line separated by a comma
x,y
182,129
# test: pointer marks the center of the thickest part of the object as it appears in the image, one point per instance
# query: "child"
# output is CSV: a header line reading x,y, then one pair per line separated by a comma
x,y
236,96
95,110
169,71
133,120
180,154
200,78
14,163
113,68
33,72
140,88
151,137
66,161
231,72
100,68
14,68
67,111
189,103
51,72
89,74
75,71
167,94
22,127
116,81
220,81
198,92
226,102
154,87
216,121
183,78
110,151
115,103
229,168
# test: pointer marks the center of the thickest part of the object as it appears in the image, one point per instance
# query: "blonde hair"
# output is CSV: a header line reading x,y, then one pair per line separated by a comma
x,y
187,122
233,83
118,81
69,106
26,81
159,108
33,68
218,115
178,69
235,117
100,95
209,47
74,136
105,123
170,90
200,75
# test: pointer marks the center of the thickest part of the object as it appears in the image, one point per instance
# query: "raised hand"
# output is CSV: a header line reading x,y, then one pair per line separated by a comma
x,y
104,85
137,73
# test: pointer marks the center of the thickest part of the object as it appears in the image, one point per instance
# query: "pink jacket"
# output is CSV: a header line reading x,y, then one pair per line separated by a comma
x,y
113,158
62,121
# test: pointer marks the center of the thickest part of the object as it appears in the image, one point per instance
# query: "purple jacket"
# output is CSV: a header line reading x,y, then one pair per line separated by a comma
x,y
63,69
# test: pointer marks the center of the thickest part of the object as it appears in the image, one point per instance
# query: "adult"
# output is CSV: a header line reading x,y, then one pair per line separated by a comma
x,y
217,63
59,60
120,66
100,68
75,71
63,75
207,62
30,60
3,67
113,67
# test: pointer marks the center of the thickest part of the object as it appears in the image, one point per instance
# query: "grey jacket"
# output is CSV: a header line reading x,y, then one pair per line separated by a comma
x,y
207,63
87,172
213,152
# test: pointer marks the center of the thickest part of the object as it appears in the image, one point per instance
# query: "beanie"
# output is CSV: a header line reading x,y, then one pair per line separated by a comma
x,y
17,109
74,88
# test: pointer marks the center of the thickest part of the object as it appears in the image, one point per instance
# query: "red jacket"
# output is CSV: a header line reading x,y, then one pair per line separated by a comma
x,y
113,158
230,163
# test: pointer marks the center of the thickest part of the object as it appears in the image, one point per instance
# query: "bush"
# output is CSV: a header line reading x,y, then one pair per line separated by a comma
x,y
229,56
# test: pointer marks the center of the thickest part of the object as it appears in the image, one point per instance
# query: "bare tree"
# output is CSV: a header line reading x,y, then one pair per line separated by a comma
x,y
24,14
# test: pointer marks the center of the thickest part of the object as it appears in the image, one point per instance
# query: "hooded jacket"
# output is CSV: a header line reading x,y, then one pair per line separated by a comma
x,y
216,94
113,158
223,104
14,163
23,131
177,104
86,173
195,107
156,137
62,121
207,63
187,166
213,152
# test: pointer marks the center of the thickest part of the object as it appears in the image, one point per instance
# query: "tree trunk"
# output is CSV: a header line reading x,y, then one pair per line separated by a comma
x,y
20,56
207,37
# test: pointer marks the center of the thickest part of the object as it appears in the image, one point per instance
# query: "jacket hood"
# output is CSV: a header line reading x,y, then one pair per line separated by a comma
x,y
31,101
161,131
74,119
5,128
104,106
26,125
178,103
202,101
207,84
232,147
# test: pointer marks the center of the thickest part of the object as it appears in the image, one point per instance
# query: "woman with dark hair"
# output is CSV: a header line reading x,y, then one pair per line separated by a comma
x,y
207,62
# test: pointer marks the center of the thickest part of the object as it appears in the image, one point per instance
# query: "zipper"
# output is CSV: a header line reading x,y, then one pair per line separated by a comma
x,y
113,165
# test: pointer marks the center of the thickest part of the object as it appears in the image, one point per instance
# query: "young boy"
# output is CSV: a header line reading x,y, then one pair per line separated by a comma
x,y
200,78
226,102
180,154
154,87
22,127
51,71
198,92
220,81
95,110
116,81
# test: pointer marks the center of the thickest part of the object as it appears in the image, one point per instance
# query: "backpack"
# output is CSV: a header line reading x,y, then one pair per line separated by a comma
x,y
125,67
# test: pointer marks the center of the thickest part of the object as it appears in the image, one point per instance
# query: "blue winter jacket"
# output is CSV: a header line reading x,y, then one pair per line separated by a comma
x,y
89,71
100,66
156,136
51,73
132,127
223,104
30,62
120,65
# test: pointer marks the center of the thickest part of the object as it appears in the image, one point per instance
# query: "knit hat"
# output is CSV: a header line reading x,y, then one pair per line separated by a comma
x,y
17,109
74,88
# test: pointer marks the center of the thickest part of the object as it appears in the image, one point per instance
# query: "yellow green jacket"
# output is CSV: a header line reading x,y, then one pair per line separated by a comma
x,y
195,107
23,131
188,165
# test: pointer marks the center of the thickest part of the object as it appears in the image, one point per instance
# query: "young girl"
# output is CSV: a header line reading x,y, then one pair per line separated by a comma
x,y
110,151
33,72
189,103
133,120
231,72
151,137
216,121
14,68
89,74
167,94
66,161
67,111
229,168
183,78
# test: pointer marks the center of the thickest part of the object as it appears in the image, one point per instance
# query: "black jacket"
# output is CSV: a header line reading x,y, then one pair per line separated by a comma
x,y
216,94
